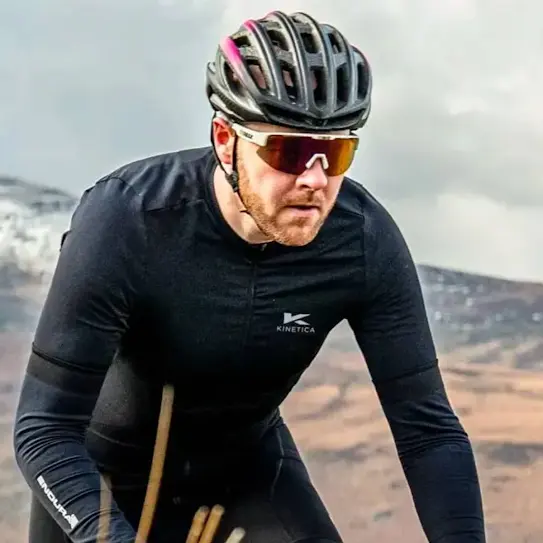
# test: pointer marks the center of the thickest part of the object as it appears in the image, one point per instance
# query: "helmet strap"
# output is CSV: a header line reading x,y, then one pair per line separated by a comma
x,y
233,176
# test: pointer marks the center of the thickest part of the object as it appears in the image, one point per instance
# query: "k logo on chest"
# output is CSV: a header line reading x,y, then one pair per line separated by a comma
x,y
296,323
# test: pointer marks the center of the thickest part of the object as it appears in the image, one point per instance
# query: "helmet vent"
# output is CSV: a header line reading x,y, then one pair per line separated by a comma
x,y
334,42
342,85
319,93
257,73
363,81
277,39
309,43
289,80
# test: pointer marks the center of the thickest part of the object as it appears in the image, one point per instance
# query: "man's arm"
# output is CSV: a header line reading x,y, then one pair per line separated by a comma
x,y
98,276
391,328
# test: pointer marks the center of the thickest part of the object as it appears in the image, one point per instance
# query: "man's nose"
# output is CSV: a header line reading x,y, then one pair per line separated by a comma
x,y
315,176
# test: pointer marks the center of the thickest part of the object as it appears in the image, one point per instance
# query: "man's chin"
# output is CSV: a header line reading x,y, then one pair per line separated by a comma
x,y
296,237
295,242
291,232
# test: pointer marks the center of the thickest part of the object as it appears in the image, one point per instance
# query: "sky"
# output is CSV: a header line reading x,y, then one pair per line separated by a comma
x,y
452,147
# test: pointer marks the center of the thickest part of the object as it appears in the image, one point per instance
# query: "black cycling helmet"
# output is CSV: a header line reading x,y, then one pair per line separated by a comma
x,y
311,77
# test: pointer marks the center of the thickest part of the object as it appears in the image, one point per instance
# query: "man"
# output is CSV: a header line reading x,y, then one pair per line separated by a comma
x,y
220,271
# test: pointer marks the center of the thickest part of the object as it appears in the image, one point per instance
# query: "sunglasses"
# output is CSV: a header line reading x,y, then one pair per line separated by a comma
x,y
295,152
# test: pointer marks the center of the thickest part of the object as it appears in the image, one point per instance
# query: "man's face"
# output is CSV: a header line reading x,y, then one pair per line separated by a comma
x,y
288,208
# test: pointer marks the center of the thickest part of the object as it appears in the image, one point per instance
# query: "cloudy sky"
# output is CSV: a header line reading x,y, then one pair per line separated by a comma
x,y
454,146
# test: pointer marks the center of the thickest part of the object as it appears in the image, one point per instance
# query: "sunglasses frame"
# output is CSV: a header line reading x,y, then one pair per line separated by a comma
x,y
260,138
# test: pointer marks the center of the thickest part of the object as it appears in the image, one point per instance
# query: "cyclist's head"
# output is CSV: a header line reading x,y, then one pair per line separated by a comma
x,y
287,74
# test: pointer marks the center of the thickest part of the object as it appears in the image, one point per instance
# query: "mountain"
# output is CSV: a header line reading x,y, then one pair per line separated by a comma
x,y
32,218
503,318
489,336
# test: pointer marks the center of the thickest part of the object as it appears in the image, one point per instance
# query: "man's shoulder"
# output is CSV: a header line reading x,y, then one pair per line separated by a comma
x,y
358,201
385,248
383,238
164,180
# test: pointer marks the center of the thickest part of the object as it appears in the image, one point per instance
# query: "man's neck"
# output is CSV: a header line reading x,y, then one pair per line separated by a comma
x,y
232,209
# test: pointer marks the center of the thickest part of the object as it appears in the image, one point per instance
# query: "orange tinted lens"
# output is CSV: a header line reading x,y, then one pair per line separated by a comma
x,y
290,154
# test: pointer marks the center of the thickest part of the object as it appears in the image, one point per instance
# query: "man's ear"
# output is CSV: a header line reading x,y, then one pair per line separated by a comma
x,y
223,139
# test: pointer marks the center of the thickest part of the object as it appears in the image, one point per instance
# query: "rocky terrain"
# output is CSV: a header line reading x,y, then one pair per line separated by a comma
x,y
489,335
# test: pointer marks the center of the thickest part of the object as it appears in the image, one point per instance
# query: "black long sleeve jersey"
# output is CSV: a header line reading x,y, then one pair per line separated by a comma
x,y
153,286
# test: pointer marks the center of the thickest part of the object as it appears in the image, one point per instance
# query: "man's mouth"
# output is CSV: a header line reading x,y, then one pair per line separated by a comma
x,y
304,206
304,210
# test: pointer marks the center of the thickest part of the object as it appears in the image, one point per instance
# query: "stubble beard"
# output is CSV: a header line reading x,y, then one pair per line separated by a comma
x,y
298,232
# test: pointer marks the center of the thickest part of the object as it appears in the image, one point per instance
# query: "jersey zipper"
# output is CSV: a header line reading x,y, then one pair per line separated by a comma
x,y
250,309
252,291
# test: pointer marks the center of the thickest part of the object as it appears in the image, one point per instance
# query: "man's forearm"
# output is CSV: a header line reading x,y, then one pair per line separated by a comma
x,y
446,492
50,452
437,458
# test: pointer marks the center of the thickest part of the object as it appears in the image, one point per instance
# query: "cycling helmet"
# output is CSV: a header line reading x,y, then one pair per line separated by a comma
x,y
293,71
